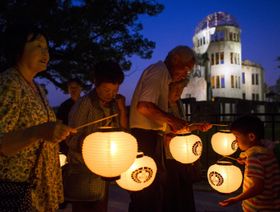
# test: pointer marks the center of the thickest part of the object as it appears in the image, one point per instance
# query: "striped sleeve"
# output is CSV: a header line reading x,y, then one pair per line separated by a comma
x,y
254,167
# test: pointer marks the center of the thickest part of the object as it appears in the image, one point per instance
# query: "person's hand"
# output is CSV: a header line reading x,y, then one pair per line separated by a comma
x,y
228,202
54,131
201,126
120,101
241,160
177,125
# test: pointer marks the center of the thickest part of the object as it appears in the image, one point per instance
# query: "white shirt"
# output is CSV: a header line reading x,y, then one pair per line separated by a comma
x,y
153,87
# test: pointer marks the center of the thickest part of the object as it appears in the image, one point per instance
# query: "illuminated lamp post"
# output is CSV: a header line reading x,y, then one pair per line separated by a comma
x,y
140,175
224,177
109,152
224,142
186,148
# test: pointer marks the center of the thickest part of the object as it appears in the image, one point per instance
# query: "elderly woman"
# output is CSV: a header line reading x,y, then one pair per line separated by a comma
x,y
27,121
87,191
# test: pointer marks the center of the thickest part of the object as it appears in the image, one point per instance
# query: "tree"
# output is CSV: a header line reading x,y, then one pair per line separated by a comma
x,y
81,33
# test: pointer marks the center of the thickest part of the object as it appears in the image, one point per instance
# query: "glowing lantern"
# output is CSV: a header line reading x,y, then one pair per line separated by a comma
x,y
224,177
108,153
224,142
62,159
140,175
186,148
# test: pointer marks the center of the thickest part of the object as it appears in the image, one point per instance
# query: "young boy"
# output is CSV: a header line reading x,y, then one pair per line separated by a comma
x,y
261,183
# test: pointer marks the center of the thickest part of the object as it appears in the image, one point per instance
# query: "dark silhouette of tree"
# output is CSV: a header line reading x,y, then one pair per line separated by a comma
x,y
81,33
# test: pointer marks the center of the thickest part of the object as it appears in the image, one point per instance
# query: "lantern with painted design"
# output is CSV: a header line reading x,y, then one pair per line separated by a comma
x,y
140,175
109,152
224,142
186,148
224,177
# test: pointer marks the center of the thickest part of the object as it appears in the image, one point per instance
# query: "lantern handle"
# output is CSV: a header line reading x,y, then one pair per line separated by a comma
x,y
96,121
217,125
232,158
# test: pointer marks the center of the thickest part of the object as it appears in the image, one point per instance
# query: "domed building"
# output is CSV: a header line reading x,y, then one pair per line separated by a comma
x,y
220,71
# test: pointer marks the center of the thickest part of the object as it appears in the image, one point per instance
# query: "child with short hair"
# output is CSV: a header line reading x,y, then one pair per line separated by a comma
x,y
261,183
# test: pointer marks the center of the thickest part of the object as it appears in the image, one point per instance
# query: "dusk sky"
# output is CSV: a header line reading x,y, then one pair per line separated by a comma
x,y
259,21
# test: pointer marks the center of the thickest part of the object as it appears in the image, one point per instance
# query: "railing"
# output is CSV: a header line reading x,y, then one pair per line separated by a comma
x,y
209,157
271,121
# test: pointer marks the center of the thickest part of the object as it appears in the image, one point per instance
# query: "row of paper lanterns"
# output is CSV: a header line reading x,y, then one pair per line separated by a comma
x,y
114,153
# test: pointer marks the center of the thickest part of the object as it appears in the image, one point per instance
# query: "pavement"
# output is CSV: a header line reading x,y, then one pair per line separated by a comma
x,y
206,199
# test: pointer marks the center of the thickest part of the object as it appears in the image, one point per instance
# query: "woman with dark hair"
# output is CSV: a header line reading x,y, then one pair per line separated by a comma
x,y
87,191
29,133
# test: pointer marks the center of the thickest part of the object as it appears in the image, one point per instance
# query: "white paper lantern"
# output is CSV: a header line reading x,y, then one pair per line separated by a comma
x,y
186,148
224,177
62,159
224,142
109,153
140,175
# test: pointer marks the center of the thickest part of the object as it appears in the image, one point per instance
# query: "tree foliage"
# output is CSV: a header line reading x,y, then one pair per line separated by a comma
x,y
81,33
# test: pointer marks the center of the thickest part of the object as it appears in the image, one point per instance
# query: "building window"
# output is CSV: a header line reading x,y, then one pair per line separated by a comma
x,y
257,79
253,79
236,82
213,82
235,58
257,97
222,81
231,57
222,57
212,59
243,78
217,58
217,82
230,36
232,81
243,96
253,96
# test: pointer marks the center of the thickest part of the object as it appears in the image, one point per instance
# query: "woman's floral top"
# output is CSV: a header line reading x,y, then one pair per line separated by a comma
x,y
21,107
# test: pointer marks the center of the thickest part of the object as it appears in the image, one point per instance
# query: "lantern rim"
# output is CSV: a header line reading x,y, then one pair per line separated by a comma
x,y
184,134
111,129
111,179
224,163
140,154
225,131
